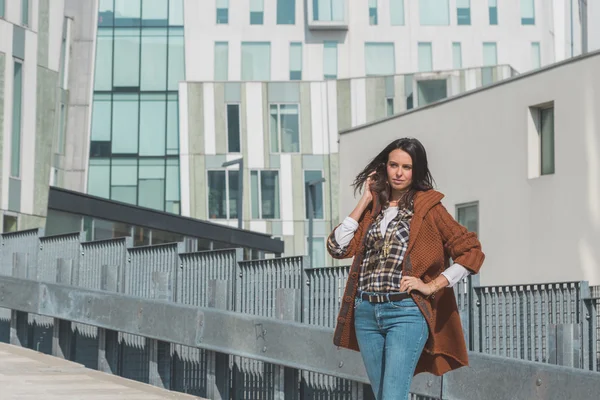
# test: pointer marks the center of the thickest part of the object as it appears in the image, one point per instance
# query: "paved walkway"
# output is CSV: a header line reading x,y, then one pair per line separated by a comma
x,y
26,374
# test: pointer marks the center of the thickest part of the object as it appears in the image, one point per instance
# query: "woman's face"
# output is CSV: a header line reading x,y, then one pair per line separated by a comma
x,y
399,170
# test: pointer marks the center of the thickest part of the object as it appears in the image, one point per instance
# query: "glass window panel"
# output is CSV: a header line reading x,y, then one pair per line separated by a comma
x,y
295,61
254,193
380,59
172,181
431,91
124,172
318,252
397,12
256,61
286,12
330,60
222,11
176,12
172,127
389,106
256,12
328,10
468,216
547,129
221,61
126,194
493,11
233,192
101,118
141,236
489,54
463,12
434,12
152,193
155,12
269,188
217,198
125,123
176,59
527,12
127,58
106,13
290,128
425,57
99,178
154,59
318,198
535,55
127,12
25,12
152,127
104,60
273,126
372,12
2,5
15,156
233,128
152,168
456,55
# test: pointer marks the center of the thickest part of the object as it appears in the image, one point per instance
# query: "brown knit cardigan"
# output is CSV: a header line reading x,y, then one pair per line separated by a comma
x,y
434,238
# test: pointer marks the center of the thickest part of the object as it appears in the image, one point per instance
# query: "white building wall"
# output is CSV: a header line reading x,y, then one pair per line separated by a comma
x,y
513,40
545,229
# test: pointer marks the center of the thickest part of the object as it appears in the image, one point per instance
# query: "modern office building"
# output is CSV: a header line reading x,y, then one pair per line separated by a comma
x,y
523,170
156,95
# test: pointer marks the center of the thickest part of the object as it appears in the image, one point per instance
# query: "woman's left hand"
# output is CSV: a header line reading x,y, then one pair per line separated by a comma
x,y
410,283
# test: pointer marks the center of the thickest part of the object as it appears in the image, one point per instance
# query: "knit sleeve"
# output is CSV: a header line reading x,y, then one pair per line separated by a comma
x,y
461,245
339,251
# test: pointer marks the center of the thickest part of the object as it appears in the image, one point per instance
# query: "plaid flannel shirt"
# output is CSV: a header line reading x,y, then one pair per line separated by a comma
x,y
381,269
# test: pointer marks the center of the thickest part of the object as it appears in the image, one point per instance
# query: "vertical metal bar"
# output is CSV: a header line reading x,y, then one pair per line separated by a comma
x,y
160,354
217,383
286,379
19,328
62,334
108,340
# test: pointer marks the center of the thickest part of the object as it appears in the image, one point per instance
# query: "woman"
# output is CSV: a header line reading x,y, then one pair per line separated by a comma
x,y
398,308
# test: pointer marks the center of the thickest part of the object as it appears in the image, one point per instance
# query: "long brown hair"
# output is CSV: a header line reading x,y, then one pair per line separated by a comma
x,y
421,178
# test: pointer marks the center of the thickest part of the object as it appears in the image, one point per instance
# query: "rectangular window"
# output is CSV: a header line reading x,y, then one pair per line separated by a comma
x,y
547,140
535,55
285,128
318,252
286,12
153,65
126,72
257,8
222,11
222,194
425,57
389,106
25,12
2,5
434,12
463,12
330,60
431,90
153,120
124,180
380,59
490,56
295,61
397,12
264,190
233,128
372,12
527,12
221,61
468,216
9,223
15,157
256,61
456,55
104,60
493,11
310,176
328,10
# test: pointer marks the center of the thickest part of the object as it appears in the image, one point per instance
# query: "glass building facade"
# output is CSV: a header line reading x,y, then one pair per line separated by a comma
x,y
134,150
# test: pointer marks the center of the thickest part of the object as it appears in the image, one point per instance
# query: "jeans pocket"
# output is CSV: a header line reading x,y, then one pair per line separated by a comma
x,y
405,304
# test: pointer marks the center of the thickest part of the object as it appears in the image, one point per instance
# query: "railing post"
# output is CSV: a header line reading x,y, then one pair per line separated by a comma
x,y
108,340
217,380
160,352
288,307
62,333
19,326
588,327
474,343
564,345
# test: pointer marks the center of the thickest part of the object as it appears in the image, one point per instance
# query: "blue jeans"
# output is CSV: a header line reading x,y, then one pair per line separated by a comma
x,y
391,337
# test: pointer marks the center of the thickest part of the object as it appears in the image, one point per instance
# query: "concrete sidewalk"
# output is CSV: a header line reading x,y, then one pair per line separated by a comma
x,y
27,374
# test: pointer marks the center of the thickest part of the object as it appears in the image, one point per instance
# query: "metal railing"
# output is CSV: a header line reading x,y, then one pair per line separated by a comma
x,y
532,322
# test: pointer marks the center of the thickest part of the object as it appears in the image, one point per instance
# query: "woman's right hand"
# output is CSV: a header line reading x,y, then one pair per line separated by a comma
x,y
367,196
